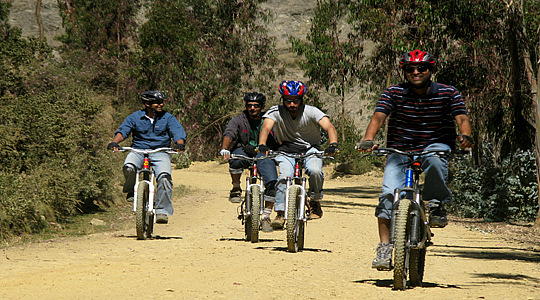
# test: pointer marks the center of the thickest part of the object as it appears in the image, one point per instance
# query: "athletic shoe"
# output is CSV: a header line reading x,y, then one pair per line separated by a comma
x,y
437,216
129,197
279,221
383,261
315,209
236,195
265,224
162,219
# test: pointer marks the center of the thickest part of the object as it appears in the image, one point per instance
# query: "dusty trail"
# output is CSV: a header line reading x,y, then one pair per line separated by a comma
x,y
201,254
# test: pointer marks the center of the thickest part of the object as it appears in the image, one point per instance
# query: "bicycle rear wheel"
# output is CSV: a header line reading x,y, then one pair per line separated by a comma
x,y
255,210
141,214
293,224
401,251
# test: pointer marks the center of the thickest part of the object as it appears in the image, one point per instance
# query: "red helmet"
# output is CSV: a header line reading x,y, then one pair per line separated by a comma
x,y
417,57
292,88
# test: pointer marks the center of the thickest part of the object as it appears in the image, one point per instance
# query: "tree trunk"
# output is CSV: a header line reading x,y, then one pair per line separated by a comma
x,y
534,82
39,20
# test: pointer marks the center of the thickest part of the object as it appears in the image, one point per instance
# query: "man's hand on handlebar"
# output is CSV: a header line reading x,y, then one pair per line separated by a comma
x,y
332,149
263,149
366,146
226,154
179,147
113,146
465,141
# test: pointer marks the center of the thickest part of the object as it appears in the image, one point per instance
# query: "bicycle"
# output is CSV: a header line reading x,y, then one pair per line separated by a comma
x,y
252,206
143,196
296,206
410,232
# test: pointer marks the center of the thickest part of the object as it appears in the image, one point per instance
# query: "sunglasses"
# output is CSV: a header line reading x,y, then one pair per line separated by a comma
x,y
295,101
420,69
155,102
254,105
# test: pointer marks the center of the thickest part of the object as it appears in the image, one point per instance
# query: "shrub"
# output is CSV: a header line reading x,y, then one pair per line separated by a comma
x,y
507,191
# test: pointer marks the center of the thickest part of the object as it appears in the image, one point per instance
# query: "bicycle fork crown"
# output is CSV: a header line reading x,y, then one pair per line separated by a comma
x,y
146,164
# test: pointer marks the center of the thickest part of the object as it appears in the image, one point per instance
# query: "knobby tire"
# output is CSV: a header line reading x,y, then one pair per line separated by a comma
x,y
255,210
292,220
141,213
247,217
416,266
401,252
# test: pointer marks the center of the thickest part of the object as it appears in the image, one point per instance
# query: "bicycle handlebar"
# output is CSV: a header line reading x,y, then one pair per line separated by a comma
x,y
385,151
254,159
147,151
319,154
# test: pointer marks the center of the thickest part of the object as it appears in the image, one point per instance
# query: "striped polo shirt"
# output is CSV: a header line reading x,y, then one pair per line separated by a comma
x,y
417,121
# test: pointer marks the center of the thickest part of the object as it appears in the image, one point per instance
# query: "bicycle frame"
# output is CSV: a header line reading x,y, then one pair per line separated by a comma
x,y
299,180
413,193
148,176
251,219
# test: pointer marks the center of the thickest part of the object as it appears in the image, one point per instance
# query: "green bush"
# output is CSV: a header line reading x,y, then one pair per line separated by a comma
x,y
507,191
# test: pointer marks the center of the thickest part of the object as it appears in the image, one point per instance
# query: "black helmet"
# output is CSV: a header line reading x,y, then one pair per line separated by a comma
x,y
255,97
153,95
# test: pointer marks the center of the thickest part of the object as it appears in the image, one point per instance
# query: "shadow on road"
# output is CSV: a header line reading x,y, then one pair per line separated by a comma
x,y
156,237
389,282
488,253
353,192
284,249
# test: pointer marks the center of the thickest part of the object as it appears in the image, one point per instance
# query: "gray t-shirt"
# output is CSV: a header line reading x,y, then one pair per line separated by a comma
x,y
303,131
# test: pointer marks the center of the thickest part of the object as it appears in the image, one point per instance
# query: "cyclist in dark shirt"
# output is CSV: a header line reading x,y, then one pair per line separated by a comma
x,y
242,132
423,115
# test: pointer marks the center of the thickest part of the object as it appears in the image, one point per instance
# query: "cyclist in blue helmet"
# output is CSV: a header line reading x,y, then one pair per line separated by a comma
x,y
296,127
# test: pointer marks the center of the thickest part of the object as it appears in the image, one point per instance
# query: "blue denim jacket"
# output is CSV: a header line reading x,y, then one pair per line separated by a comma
x,y
148,135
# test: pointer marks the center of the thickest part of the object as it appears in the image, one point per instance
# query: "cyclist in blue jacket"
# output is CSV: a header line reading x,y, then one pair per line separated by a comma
x,y
152,128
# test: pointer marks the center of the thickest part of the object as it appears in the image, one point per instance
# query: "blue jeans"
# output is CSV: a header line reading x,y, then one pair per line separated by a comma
x,y
313,166
161,164
436,175
266,167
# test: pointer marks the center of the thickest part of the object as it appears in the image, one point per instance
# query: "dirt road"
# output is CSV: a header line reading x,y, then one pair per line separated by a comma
x,y
201,254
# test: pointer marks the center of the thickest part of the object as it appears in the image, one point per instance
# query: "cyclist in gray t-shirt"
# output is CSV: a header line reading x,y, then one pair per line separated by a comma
x,y
296,126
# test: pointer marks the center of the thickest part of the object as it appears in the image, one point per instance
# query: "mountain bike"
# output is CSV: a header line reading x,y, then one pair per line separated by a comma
x,y
296,207
410,232
143,197
253,204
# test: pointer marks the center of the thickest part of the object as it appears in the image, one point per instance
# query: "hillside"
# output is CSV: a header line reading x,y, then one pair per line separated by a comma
x,y
290,18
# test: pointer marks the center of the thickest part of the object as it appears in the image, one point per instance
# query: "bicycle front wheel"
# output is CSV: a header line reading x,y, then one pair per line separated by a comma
x,y
416,266
293,224
255,210
401,251
141,214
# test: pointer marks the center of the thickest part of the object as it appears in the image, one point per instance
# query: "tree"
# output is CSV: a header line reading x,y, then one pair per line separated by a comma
x,y
332,61
206,54
480,48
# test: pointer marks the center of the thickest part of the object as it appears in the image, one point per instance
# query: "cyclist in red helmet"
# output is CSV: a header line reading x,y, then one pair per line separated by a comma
x,y
296,127
422,115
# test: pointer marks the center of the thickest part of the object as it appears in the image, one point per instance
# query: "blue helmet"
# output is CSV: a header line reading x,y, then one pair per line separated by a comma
x,y
292,88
